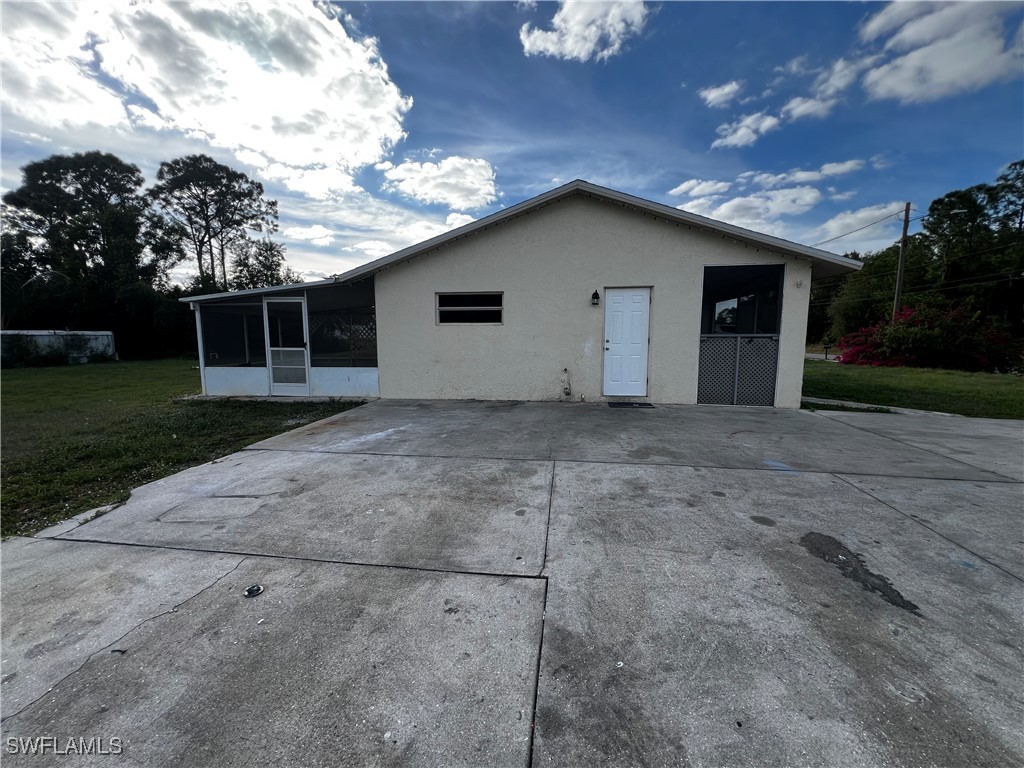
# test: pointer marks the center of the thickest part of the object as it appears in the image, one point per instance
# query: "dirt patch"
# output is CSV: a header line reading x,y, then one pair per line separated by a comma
x,y
762,520
852,566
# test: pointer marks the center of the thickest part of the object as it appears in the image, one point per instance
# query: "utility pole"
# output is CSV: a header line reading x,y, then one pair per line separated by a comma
x,y
899,270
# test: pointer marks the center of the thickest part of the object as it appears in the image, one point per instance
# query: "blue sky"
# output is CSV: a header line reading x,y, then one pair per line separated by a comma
x,y
377,125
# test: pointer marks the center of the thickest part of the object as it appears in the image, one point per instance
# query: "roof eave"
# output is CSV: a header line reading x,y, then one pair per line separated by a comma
x,y
825,262
257,291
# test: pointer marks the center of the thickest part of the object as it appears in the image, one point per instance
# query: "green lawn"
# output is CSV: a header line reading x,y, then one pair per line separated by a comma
x,y
989,395
79,437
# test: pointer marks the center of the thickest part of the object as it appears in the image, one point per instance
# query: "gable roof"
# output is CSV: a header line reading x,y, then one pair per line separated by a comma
x,y
824,263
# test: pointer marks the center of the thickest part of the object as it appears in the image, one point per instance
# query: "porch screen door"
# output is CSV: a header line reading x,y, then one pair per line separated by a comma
x,y
287,347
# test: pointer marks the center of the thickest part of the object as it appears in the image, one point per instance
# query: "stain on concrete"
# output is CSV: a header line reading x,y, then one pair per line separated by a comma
x,y
617,725
657,455
968,565
781,466
761,520
852,566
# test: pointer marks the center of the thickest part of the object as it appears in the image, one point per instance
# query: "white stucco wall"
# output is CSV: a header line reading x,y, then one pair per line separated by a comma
x,y
796,293
323,382
548,263
344,382
236,382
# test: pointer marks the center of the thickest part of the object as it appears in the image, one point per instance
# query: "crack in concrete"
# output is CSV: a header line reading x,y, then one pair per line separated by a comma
x,y
115,642
995,478
269,556
921,448
954,542
536,679
547,525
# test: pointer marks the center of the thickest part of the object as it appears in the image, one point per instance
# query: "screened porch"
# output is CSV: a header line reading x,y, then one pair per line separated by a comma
x,y
312,341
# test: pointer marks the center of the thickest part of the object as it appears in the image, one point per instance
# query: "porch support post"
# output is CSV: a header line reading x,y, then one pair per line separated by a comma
x,y
202,351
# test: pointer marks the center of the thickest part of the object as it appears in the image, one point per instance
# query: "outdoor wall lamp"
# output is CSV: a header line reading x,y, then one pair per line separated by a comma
x,y
595,298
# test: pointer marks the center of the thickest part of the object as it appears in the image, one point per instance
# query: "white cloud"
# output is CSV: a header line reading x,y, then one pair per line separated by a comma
x,y
151,81
835,194
44,65
409,234
880,161
931,50
586,30
459,182
317,234
699,188
847,221
280,81
840,169
893,16
760,211
373,249
826,89
720,95
702,206
256,159
961,52
797,176
800,106
456,220
318,182
745,131
841,75
769,180
943,21
797,66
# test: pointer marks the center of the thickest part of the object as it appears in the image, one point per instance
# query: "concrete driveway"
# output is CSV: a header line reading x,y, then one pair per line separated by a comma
x,y
491,584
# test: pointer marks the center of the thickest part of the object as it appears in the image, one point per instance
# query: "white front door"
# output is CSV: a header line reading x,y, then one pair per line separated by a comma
x,y
287,350
627,313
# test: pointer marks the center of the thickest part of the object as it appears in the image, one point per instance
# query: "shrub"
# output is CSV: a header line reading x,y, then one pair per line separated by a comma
x,y
933,338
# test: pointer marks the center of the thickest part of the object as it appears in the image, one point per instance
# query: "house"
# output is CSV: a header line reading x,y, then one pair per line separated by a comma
x,y
581,293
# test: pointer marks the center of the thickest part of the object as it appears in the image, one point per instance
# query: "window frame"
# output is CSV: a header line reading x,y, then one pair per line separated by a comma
x,y
438,309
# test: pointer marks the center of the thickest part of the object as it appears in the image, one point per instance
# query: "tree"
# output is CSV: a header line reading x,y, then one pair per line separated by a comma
x,y
21,274
81,247
969,256
865,297
260,264
85,211
1007,200
214,205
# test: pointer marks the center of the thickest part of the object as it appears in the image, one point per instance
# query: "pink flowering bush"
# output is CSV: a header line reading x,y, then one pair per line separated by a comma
x,y
933,338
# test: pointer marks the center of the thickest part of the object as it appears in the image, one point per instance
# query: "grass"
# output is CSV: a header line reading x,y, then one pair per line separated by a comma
x,y
79,437
986,395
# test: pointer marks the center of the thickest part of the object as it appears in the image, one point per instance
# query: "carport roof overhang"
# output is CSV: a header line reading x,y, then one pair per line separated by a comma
x,y
824,263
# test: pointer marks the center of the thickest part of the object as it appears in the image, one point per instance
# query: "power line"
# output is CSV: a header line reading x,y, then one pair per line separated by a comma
x,y
936,286
885,296
838,278
858,229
